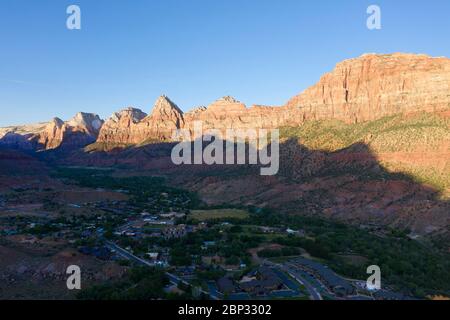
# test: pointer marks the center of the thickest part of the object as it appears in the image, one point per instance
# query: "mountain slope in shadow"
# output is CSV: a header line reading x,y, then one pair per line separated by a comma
x,y
349,184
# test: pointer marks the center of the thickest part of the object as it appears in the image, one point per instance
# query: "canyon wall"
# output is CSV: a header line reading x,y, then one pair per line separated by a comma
x,y
374,86
79,131
357,90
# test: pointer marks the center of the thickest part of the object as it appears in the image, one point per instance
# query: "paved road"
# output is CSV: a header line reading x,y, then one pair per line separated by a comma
x,y
172,278
313,292
213,290
126,254
293,286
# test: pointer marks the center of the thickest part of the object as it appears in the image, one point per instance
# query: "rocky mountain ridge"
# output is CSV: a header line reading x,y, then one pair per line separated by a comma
x,y
79,131
369,143
362,89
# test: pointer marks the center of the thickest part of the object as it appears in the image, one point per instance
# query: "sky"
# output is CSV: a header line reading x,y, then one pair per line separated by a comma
x,y
129,52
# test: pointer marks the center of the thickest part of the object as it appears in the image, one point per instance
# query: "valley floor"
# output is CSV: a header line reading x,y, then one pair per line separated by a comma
x,y
112,224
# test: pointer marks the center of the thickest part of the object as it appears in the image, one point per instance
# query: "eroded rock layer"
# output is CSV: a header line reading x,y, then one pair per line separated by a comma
x,y
357,90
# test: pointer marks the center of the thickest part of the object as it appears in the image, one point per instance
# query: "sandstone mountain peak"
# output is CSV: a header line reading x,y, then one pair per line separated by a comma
x,y
82,129
88,121
132,126
56,122
18,137
229,99
361,89
164,105
376,85
131,113
166,117
226,104
196,110
392,58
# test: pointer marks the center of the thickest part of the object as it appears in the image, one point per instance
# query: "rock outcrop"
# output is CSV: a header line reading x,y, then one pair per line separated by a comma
x,y
374,86
118,129
79,131
132,126
229,113
357,90
165,118
52,135
19,137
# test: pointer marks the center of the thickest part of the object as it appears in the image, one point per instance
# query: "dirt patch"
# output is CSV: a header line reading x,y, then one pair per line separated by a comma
x,y
90,196
38,270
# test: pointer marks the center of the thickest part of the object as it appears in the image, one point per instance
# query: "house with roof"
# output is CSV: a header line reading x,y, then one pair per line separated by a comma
x,y
261,282
226,285
339,286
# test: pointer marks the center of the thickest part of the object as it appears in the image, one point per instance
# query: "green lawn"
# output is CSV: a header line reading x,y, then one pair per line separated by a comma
x,y
204,215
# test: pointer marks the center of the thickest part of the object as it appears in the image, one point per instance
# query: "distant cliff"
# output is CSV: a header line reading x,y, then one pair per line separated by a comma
x,y
357,90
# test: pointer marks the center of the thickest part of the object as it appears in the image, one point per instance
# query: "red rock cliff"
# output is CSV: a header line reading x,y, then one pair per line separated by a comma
x,y
373,86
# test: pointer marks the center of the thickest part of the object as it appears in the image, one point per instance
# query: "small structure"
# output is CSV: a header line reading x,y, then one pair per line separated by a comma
x,y
261,282
336,284
172,215
299,233
175,232
153,255
226,285
208,244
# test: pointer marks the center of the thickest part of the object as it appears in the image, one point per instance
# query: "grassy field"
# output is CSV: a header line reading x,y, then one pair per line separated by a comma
x,y
204,215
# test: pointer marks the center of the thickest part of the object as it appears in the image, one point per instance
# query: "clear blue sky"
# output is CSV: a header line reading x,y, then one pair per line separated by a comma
x,y
131,51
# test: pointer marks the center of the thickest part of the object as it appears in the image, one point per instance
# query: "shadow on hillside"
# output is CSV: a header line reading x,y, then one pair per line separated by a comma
x,y
298,163
71,141
16,141
348,184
